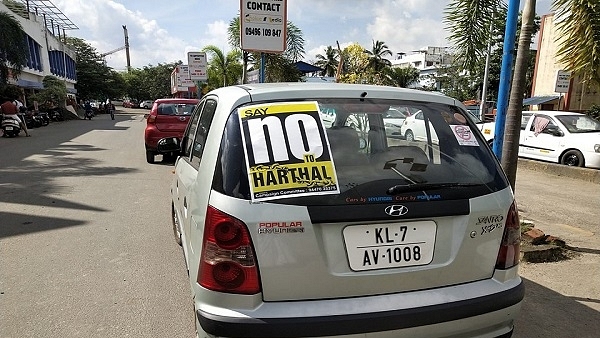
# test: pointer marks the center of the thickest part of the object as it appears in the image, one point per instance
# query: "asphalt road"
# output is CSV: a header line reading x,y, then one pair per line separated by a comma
x,y
86,246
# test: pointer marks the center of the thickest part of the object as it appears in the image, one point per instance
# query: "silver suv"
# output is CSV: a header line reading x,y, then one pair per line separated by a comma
x,y
291,227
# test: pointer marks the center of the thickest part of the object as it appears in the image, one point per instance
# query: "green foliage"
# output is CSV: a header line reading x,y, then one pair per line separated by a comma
x,y
468,22
579,22
91,71
594,112
402,77
55,91
13,48
329,62
277,69
223,70
377,61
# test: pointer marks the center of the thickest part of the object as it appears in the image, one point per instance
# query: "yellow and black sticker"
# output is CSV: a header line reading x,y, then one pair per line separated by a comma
x,y
287,151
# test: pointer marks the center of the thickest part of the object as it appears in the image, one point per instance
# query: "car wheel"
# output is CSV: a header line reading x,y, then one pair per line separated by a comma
x,y
409,136
573,158
176,228
150,156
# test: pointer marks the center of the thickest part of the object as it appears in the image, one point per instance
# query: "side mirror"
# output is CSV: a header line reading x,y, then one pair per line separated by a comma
x,y
554,131
169,145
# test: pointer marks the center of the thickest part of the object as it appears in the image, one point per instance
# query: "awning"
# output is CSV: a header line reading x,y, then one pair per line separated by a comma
x,y
532,101
305,68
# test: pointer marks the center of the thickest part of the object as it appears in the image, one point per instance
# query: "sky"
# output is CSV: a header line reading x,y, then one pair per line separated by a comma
x,y
164,31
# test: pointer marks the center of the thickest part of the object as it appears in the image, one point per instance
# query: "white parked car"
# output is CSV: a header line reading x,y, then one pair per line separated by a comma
x,y
146,104
562,137
294,228
413,128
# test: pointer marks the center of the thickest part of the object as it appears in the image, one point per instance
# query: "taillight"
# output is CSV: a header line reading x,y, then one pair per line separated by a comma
x,y
227,263
151,118
510,247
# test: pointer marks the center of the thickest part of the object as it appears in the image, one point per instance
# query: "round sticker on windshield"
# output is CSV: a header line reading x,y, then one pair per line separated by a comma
x,y
464,135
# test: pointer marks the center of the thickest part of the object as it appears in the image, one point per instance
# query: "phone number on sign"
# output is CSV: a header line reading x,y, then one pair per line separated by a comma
x,y
263,31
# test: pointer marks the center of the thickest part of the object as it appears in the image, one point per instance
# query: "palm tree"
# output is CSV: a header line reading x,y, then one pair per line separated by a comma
x,y
294,45
13,47
402,77
578,20
226,67
329,62
377,62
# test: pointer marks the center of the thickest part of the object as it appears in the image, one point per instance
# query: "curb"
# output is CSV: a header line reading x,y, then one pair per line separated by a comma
x,y
584,174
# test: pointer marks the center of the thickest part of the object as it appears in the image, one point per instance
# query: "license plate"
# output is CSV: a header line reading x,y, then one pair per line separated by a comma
x,y
391,245
9,128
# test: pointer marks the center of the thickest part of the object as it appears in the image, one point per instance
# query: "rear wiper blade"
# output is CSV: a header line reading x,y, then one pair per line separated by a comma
x,y
400,188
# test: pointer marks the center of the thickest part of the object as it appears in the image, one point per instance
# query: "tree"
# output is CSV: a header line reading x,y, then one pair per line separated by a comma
x,y
13,48
377,60
226,68
468,22
329,62
55,91
580,22
402,77
91,72
280,69
509,158
354,65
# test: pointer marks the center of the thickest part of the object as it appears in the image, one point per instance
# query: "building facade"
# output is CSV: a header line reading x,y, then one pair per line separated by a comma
x,y
47,55
427,61
546,94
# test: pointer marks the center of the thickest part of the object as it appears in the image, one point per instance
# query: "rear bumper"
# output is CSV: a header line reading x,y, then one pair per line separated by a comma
x,y
151,137
490,314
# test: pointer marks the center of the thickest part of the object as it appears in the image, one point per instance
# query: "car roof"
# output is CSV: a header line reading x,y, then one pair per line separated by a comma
x,y
265,91
551,112
176,100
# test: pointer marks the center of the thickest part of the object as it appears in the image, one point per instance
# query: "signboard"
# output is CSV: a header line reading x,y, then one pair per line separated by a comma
x,y
563,79
287,151
197,66
253,76
263,25
180,79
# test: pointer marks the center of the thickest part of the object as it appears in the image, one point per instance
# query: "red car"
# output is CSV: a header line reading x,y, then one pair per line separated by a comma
x,y
167,118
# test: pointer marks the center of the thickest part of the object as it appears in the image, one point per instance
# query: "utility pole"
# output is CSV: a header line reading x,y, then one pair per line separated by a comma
x,y
127,48
506,74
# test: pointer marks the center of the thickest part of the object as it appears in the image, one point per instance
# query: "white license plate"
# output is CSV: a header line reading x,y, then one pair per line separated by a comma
x,y
9,128
390,245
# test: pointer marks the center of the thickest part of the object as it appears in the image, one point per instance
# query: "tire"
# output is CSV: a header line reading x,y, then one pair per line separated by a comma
x,y
176,226
112,115
573,158
150,156
409,136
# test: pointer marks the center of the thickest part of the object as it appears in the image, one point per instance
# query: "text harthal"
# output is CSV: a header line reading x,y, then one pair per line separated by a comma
x,y
291,175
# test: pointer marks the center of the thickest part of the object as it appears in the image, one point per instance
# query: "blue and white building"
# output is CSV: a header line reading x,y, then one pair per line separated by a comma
x,y
45,27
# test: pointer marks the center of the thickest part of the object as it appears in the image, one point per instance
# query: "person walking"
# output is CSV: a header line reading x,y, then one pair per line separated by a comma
x,y
9,108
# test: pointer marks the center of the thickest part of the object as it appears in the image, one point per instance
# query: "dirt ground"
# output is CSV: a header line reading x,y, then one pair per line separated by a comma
x,y
562,299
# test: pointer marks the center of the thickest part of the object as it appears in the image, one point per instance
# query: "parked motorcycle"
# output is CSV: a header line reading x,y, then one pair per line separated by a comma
x,y
31,121
44,117
10,126
56,115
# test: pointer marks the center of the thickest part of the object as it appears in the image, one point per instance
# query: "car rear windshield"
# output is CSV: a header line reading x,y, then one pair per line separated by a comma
x,y
437,153
175,108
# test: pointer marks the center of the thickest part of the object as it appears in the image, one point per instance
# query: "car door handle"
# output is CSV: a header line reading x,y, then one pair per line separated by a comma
x,y
185,202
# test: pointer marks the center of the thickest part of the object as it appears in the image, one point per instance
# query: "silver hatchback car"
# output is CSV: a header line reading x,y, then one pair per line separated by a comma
x,y
291,227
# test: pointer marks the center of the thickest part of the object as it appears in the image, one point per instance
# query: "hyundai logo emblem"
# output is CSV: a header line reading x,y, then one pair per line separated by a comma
x,y
396,210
